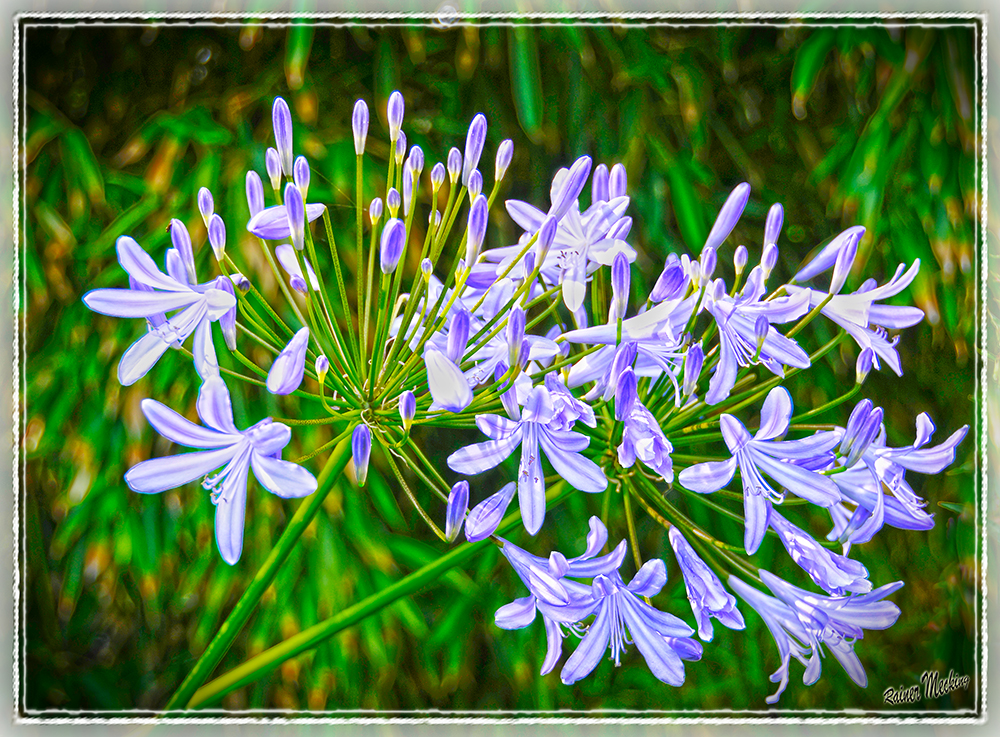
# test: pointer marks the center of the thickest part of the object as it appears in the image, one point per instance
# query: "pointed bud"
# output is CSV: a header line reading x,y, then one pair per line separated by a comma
x,y
708,261
617,182
523,354
508,398
624,358
393,201
478,218
426,268
717,290
392,244
772,226
296,211
505,153
485,517
434,218
546,235
281,117
830,253
359,124
407,180
474,141
394,114
289,367
454,164
361,451
458,505
857,420
475,184
842,267
272,162
407,409
769,259
206,206
865,436
864,366
375,210
599,185
217,236
669,284
437,176
740,258
322,367
400,150
572,185
458,337
239,281
300,175
621,280
516,322
693,362
181,240
416,160
255,193
729,215
760,330
625,394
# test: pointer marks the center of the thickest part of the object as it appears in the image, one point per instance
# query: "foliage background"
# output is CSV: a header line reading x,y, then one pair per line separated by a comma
x,y
124,125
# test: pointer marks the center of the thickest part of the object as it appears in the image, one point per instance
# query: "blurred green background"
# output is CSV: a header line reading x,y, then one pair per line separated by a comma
x,y
844,125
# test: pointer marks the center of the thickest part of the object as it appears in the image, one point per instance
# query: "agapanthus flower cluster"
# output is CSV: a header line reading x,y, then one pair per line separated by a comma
x,y
577,382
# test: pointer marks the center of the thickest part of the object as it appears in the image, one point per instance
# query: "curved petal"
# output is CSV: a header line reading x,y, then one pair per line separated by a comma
x,y
446,382
137,302
803,483
531,483
649,579
182,431
214,406
282,478
206,363
141,267
230,513
579,471
473,459
660,657
775,414
708,477
140,357
486,516
590,650
516,615
169,472
528,217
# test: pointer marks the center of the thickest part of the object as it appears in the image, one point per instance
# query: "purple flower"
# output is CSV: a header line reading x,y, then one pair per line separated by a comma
x,y
802,623
359,126
181,240
361,451
858,313
257,448
704,590
475,184
151,296
505,152
407,409
761,453
272,224
772,226
486,516
828,256
217,236
272,162
206,205
621,278
728,216
642,438
454,164
478,220
834,573
529,431
458,505
394,114
599,185
391,245
617,182
289,367
281,117
437,176
300,175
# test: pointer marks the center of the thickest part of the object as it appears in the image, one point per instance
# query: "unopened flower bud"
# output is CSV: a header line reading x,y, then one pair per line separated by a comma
x,y
300,175
772,226
505,152
255,193
729,215
437,176
516,322
322,367
407,181
760,330
393,201
474,142
361,451
454,164
206,206
570,187
769,259
458,337
400,150
394,114
740,258
289,367
625,394
475,184
857,420
359,124
693,362
617,182
669,284
458,505
217,236
281,117
478,218
272,162
621,280
485,517
864,438
181,240
296,211
416,159
407,409
842,267
864,366
392,244
375,210
599,185
546,235
708,261
426,269
240,281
